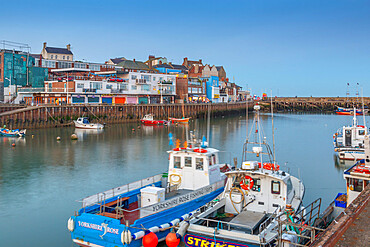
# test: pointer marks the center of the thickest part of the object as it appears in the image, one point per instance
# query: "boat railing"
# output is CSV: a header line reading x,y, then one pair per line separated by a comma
x,y
268,221
303,228
99,197
220,224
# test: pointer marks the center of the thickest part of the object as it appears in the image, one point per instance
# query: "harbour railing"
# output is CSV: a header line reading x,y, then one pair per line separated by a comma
x,y
102,196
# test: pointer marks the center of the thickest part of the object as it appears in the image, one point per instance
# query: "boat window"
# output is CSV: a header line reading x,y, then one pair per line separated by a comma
x,y
85,121
188,161
275,187
177,162
214,158
355,184
210,161
256,184
289,186
199,164
361,132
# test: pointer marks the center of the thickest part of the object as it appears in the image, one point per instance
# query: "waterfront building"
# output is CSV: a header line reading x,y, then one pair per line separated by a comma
x,y
55,53
171,68
17,69
221,73
189,63
212,88
115,61
128,88
152,61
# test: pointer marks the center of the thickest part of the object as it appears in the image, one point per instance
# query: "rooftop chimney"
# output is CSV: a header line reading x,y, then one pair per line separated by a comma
x,y
69,47
151,57
134,60
200,60
44,45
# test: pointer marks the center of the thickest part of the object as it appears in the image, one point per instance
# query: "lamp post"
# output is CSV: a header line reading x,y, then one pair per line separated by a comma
x,y
10,87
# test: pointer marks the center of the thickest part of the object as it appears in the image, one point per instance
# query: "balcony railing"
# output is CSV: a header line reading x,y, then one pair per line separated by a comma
x,y
140,81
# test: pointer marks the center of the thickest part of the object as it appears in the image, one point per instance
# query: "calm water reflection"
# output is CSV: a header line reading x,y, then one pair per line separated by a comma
x,y
41,178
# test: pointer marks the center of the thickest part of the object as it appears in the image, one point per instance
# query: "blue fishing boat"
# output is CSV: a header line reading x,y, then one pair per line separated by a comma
x,y
12,133
151,207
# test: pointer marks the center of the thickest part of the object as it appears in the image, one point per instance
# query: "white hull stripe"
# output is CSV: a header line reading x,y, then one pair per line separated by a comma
x,y
77,241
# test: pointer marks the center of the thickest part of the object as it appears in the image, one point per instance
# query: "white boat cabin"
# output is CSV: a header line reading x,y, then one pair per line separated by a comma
x,y
148,117
267,189
83,120
358,176
350,136
192,169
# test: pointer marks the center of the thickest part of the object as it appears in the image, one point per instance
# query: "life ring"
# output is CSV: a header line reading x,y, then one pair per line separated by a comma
x,y
175,182
200,150
245,186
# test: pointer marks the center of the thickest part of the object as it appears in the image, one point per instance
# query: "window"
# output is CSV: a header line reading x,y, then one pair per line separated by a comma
x,y
109,86
133,87
94,67
256,184
361,132
81,65
145,87
199,164
146,77
64,57
52,56
123,86
133,77
56,56
64,65
355,184
48,64
177,162
275,187
153,78
80,85
188,161
67,57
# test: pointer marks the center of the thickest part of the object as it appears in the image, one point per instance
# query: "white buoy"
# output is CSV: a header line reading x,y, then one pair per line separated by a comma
x,y
58,138
74,137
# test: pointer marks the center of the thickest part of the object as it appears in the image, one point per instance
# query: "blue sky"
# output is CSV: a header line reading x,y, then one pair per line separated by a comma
x,y
296,47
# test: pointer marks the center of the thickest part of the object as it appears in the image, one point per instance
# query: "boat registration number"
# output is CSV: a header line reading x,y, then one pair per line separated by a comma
x,y
195,241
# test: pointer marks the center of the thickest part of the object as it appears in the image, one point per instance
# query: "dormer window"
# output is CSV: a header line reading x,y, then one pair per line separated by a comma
x,y
56,56
177,162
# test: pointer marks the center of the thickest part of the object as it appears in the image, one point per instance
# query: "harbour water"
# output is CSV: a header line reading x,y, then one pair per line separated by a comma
x,y
42,179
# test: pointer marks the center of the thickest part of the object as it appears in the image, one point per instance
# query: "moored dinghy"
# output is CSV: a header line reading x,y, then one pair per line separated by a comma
x,y
150,207
12,133
83,123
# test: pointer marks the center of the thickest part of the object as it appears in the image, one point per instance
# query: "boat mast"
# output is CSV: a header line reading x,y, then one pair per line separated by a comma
x,y
363,108
273,131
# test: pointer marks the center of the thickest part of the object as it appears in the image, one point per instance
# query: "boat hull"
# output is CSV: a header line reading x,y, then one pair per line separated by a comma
x,y
153,122
89,228
179,120
88,126
21,133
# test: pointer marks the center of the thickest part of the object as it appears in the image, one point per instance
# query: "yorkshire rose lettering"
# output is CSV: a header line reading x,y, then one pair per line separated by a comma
x,y
97,227
182,199
195,241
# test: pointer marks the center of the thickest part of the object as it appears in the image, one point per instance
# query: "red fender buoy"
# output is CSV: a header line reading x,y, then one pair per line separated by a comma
x,y
172,240
150,240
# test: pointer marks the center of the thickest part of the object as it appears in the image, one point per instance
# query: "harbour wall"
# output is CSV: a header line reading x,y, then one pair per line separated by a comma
x,y
314,104
58,116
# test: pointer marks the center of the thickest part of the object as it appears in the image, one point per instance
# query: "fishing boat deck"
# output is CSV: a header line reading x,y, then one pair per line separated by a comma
x,y
250,219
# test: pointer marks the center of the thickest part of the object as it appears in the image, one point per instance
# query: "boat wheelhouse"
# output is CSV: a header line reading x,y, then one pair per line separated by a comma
x,y
254,195
84,123
349,141
126,214
148,119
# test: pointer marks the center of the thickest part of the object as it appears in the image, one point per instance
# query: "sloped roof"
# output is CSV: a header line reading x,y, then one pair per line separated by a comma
x,y
117,60
129,64
171,66
219,67
58,50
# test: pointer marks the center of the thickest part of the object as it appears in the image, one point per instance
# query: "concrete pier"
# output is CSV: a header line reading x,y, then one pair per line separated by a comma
x,y
350,228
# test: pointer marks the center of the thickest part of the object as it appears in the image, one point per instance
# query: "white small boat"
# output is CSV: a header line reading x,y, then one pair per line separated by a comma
x,y
83,123
349,141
